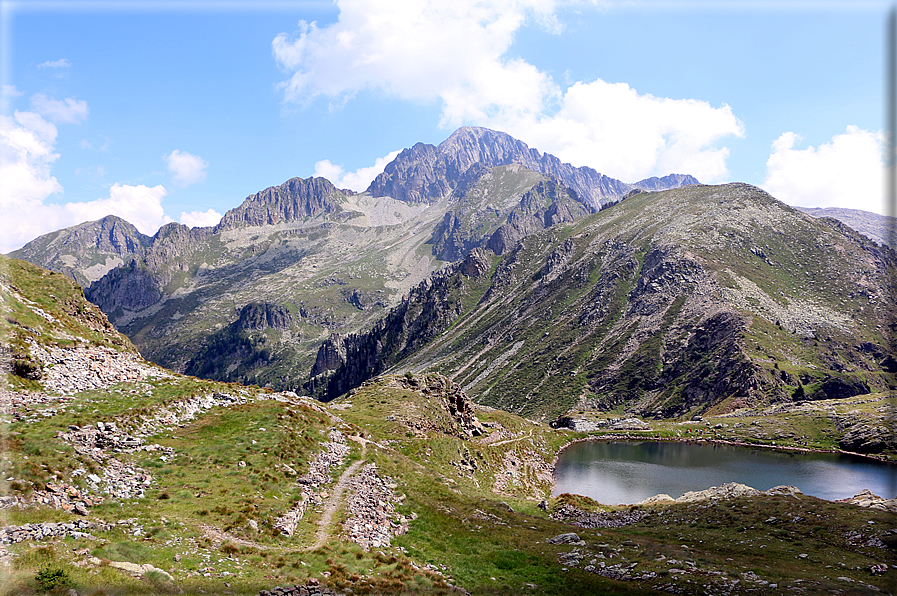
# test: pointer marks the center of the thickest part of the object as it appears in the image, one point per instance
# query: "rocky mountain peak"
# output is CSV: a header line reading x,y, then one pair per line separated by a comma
x,y
472,144
425,173
295,199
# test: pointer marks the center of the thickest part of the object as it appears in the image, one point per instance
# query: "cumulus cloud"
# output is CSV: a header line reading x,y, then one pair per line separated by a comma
x,y
847,171
611,127
69,110
428,50
185,168
358,180
61,63
27,153
200,219
414,54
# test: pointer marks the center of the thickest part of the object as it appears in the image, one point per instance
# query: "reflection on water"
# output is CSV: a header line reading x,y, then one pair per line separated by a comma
x,y
630,471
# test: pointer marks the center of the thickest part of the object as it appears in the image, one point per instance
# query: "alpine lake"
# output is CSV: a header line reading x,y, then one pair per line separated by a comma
x,y
626,472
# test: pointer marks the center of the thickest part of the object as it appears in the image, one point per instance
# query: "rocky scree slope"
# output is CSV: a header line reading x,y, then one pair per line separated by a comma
x,y
880,228
699,299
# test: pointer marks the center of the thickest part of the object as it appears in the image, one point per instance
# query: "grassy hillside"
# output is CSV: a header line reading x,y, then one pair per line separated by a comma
x,y
148,482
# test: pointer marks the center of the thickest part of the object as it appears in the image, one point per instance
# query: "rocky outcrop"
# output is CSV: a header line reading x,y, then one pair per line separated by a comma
x,y
454,400
545,205
866,436
294,200
233,352
130,288
257,316
866,498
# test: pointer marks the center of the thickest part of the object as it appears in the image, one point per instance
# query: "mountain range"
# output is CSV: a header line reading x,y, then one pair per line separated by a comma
x,y
331,259
539,286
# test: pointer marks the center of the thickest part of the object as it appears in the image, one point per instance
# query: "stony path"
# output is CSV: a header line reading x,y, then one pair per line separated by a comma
x,y
333,503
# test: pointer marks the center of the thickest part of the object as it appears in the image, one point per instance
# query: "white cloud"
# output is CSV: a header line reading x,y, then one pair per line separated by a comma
x,y
27,152
141,205
452,51
69,110
7,92
613,129
200,219
846,172
414,53
61,63
185,168
358,180
27,144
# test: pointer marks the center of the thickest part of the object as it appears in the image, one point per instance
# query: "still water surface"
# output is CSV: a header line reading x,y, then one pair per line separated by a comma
x,y
613,473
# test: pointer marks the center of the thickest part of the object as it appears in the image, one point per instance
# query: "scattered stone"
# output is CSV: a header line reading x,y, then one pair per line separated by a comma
x,y
312,588
74,529
866,498
373,520
568,538
596,519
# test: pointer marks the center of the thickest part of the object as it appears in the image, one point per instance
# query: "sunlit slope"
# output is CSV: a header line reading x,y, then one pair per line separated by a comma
x,y
666,304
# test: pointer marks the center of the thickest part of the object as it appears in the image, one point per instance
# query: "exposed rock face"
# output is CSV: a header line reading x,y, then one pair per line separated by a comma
x,y
455,401
427,310
838,387
655,184
331,355
865,436
233,352
425,173
293,200
131,288
255,317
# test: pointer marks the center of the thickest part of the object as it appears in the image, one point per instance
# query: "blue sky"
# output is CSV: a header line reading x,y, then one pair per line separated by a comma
x,y
176,111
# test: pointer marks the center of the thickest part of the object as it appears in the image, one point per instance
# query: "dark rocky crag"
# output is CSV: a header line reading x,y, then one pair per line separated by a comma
x,y
293,200
344,362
